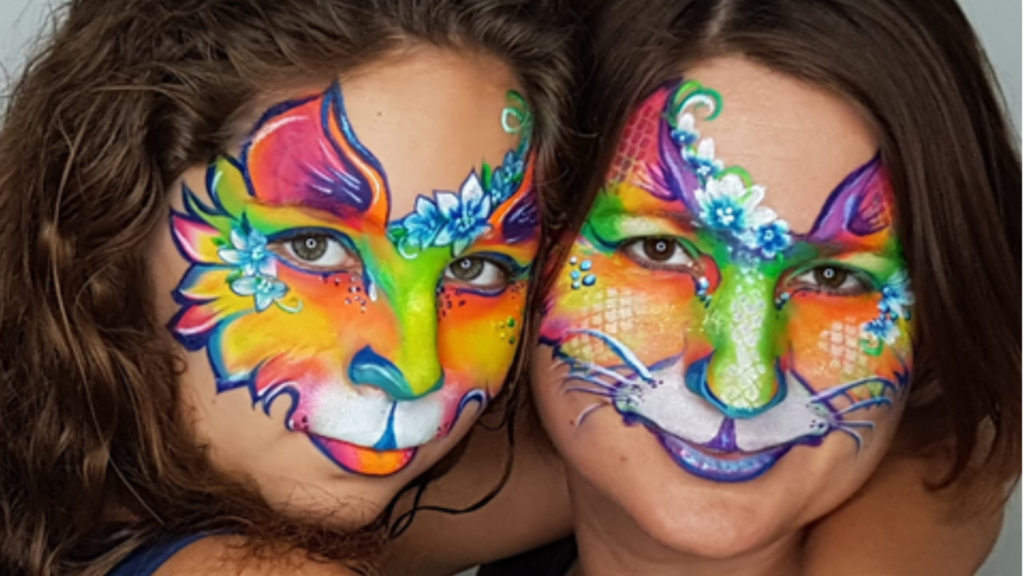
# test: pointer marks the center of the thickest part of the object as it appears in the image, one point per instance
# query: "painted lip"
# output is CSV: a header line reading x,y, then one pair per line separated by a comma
x,y
718,465
361,460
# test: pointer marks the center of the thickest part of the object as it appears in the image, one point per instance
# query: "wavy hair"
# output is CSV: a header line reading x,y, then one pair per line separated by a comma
x,y
95,459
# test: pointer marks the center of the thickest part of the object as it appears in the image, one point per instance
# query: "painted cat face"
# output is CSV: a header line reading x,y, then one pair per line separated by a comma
x,y
377,329
690,308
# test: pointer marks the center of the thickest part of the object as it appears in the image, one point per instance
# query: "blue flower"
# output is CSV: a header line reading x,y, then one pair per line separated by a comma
x,y
771,238
727,204
465,215
250,253
897,297
506,177
266,289
883,328
421,227
702,159
685,131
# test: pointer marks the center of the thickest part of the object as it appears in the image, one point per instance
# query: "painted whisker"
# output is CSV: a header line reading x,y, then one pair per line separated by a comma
x,y
827,395
590,410
590,391
881,401
621,350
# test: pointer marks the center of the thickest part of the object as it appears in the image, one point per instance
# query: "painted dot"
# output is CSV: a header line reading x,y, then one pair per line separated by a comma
x,y
589,280
572,260
511,322
512,340
575,285
575,274
586,265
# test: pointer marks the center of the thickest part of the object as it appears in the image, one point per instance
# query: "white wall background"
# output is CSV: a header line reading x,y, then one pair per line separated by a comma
x,y
998,22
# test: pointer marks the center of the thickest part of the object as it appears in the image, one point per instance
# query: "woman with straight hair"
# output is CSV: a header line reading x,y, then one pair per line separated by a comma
x,y
798,263
262,264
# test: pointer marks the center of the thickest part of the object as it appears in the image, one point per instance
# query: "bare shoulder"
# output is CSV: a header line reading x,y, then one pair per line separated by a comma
x,y
219,555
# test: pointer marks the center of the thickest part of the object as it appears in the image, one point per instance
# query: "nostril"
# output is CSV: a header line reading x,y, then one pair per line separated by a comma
x,y
371,369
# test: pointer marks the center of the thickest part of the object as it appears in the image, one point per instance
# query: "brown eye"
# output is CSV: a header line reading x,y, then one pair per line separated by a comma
x,y
480,273
830,277
659,249
467,269
659,253
835,280
315,252
309,248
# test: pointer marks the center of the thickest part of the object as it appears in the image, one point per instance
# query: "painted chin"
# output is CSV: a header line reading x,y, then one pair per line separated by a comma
x,y
718,465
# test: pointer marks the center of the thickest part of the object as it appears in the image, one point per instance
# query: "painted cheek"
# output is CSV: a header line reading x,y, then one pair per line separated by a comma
x,y
478,336
319,332
651,313
827,342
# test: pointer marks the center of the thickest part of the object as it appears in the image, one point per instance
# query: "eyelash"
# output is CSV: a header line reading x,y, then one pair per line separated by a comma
x,y
285,248
632,247
806,279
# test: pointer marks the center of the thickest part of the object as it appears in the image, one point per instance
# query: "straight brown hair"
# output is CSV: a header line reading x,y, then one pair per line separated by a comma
x,y
95,458
918,72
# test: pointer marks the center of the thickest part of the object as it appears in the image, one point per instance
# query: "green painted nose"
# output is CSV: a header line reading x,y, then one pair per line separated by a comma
x,y
742,324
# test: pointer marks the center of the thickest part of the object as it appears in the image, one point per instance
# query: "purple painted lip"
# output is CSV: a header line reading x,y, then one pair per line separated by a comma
x,y
712,462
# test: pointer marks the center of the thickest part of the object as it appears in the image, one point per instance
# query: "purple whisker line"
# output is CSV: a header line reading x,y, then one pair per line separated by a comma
x,y
843,389
589,380
600,393
606,372
856,424
865,404
856,437
588,411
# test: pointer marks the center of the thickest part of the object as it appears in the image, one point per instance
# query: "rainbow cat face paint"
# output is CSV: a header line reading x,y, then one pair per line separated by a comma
x,y
689,307
378,329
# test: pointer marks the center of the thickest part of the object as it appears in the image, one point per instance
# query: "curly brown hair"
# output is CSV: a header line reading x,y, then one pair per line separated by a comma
x,y
95,458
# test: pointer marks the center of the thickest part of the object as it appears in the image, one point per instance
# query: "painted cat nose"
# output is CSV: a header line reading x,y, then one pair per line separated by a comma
x,y
736,391
371,369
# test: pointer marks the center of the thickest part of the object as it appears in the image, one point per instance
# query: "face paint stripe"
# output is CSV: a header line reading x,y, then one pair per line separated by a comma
x,y
766,353
296,330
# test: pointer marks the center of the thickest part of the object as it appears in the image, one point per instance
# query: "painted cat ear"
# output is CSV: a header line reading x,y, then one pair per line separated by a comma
x,y
518,217
861,205
674,177
307,152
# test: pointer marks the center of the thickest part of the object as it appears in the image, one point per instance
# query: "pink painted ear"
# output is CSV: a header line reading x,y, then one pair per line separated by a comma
x,y
194,323
862,205
307,153
195,239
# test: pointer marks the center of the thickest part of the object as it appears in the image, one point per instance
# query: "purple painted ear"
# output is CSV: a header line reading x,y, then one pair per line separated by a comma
x,y
673,176
307,153
519,216
861,205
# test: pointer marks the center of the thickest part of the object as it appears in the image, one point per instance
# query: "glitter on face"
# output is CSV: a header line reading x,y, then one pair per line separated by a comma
x,y
739,339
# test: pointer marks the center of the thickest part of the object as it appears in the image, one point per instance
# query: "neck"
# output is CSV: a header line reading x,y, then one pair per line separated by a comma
x,y
611,543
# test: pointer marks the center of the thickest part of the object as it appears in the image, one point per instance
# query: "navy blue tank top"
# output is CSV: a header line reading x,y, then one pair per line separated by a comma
x,y
146,561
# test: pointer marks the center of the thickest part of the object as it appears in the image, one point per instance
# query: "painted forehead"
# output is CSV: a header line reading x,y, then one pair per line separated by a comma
x,y
306,153
663,153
